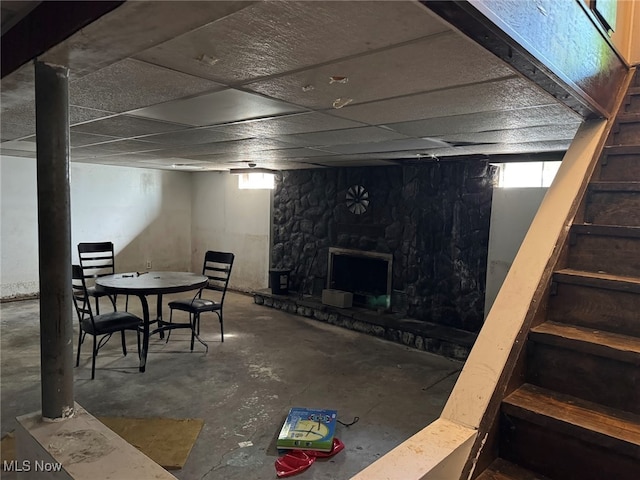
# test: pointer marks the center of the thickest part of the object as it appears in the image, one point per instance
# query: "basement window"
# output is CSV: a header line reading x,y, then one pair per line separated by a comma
x,y
256,181
526,174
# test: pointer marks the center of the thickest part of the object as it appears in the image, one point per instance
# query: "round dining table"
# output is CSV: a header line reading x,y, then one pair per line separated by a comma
x,y
142,284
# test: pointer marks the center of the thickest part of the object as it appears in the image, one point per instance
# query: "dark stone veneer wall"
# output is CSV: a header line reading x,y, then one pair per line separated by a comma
x,y
434,219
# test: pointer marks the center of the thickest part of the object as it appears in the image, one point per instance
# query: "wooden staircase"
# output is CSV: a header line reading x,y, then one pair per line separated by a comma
x,y
576,411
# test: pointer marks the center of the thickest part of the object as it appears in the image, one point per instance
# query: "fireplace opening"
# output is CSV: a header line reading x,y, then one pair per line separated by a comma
x,y
365,274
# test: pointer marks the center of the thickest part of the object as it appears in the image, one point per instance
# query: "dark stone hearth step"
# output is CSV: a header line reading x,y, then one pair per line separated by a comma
x,y
438,339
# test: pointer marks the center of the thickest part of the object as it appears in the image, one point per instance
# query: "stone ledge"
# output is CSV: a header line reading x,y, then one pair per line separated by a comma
x,y
80,447
438,339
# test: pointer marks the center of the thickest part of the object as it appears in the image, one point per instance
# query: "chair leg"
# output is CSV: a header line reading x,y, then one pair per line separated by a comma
x,y
221,326
124,343
97,305
195,325
93,358
170,321
138,335
80,340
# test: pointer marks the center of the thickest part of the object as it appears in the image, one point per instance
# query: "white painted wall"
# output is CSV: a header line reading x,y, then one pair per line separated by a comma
x,y
512,211
145,213
229,219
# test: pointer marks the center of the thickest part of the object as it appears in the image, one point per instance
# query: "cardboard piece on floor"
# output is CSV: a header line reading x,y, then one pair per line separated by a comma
x,y
167,441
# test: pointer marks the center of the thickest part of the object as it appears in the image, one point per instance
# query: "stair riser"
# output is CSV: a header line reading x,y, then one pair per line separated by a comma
x,y
633,106
613,208
627,134
561,456
597,379
614,255
621,168
600,309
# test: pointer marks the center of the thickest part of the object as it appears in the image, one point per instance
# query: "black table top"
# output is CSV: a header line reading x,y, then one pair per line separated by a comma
x,y
150,283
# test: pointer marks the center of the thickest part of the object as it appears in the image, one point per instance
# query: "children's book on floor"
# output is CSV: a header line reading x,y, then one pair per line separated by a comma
x,y
308,429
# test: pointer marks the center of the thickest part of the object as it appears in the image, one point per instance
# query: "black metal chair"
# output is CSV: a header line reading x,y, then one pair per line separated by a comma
x,y
97,259
217,267
103,325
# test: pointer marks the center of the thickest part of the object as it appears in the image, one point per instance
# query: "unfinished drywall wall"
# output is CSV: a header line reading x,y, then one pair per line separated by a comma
x,y
229,219
512,211
145,213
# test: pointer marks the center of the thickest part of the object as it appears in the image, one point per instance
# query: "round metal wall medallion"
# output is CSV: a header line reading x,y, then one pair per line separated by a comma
x,y
357,199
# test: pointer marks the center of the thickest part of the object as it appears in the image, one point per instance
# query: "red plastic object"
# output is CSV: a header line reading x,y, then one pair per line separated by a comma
x,y
293,463
337,447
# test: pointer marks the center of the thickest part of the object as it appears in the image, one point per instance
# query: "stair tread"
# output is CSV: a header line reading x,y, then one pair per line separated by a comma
x,y
628,118
594,422
622,149
606,230
614,186
501,469
598,280
597,342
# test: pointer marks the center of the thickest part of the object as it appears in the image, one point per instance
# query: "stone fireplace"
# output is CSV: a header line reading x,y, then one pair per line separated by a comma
x,y
368,275
425,230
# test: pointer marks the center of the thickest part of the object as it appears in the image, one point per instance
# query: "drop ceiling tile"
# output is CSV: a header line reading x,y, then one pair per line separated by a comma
x,y
20,118
192,136
218,107
117,147
78,139
269,38
9,152
389,146
126,126
341,137
81,115
236,146
503,148
13,131
441,61
366,162
518,135
289,124
22,145
142,85
484,121
497,95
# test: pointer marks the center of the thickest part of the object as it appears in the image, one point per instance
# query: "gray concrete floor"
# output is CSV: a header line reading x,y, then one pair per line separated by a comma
x,y
242,388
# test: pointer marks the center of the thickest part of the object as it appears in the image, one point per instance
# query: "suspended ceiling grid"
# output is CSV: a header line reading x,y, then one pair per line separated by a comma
x,y
284,85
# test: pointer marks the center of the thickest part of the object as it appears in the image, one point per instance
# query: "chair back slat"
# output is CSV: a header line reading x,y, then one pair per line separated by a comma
x,y
80,296
96,259
217,267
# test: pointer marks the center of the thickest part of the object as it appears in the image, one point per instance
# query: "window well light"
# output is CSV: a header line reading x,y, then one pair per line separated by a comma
x,y
254,178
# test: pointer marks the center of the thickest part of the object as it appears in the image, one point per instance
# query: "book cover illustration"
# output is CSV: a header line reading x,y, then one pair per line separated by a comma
x,y
308,429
